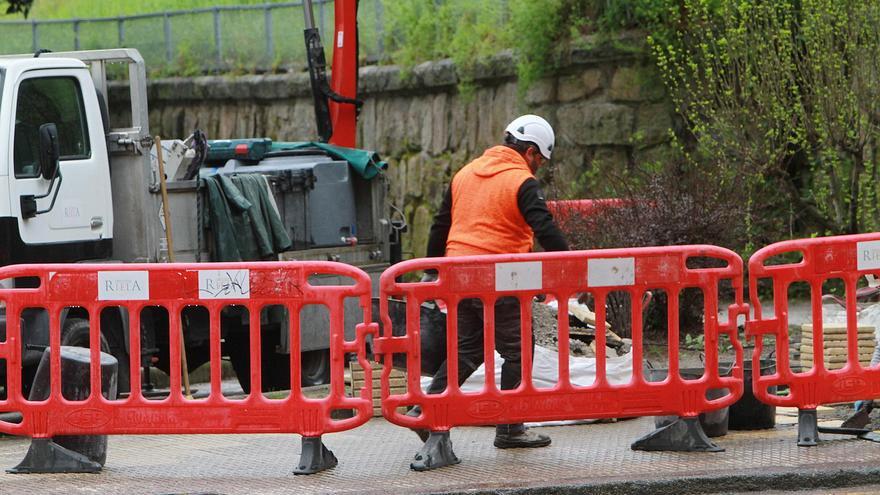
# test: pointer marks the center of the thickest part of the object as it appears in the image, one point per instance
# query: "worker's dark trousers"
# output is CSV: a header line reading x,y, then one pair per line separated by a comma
x,y
470,346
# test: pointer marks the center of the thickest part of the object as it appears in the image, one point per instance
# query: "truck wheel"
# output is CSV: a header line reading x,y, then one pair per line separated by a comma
x,y
315,367
75,333
275,372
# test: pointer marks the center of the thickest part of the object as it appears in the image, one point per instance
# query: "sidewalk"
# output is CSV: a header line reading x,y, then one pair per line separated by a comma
x,y
375,459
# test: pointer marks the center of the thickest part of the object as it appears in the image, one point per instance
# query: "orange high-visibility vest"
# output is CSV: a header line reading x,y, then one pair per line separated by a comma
x,y
485,214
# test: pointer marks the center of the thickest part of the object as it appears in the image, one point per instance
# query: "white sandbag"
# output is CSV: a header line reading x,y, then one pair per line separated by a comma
x,y
545,370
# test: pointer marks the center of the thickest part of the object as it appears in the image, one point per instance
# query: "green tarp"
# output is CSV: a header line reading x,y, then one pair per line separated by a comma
x,y
366,163
245,226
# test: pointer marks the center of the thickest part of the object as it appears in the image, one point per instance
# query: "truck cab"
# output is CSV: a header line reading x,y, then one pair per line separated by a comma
x,y
44,218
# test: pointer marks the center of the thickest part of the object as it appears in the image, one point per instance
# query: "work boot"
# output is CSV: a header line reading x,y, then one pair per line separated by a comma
x,y
423,434
518,436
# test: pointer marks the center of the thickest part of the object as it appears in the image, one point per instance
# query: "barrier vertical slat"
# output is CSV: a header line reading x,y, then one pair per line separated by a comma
x,y
526,337
818,325
710,330
452,340
214,350
134,337
13,340
55,354
337,341
562,381
489,335
672,302
95,329
295,350
636,332
175,328
601,328
256,356
852,324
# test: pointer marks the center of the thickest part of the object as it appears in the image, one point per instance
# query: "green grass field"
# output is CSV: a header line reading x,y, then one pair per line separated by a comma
x,y
70,9
245,37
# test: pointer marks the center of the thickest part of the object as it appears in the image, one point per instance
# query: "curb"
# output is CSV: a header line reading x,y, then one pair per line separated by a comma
x,y
779,479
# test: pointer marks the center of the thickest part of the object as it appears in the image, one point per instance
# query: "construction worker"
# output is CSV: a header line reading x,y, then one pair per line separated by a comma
x,y
495,206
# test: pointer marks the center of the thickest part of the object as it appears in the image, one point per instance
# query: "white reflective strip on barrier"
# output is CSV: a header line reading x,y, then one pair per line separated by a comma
x,y
610,272
224,284
524,275
868,255
123,286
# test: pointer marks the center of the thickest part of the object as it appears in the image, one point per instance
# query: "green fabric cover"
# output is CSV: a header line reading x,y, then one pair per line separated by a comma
x,y
244,224
367,163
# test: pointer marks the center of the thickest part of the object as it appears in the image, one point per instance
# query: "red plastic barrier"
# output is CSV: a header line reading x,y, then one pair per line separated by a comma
x,y
563,275
845,257
174,287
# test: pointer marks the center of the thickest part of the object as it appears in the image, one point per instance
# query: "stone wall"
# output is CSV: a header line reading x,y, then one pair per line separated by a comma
x,y
608,108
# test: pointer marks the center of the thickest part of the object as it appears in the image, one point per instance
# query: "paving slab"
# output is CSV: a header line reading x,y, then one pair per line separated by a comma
x,y
375,458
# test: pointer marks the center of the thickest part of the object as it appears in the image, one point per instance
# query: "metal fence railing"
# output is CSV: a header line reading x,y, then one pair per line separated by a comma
x,y
222,38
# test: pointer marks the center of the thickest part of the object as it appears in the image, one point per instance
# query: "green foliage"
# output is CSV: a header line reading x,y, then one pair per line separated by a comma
x,y
22,7
786,93
539,32
422,30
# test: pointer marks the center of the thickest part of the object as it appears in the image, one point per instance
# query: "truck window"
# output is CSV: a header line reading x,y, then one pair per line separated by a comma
x,y
46,100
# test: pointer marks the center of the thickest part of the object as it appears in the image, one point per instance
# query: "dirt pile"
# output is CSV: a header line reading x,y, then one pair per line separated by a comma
x,y
545,324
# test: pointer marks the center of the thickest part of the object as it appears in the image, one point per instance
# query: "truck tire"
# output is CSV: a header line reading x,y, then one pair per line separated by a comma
x,y
75,332
315,367
275,367
275,372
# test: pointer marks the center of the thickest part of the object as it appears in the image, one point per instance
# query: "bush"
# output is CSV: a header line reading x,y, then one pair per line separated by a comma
x,y
663,205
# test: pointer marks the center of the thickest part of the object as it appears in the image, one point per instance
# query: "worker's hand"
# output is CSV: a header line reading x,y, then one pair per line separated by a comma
x,y
429,276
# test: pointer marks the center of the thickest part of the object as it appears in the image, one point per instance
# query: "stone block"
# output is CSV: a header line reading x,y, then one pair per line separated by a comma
x,y
590,124
439,124
636,84
569,164
436,74
414,175
420,228
541,91
577,86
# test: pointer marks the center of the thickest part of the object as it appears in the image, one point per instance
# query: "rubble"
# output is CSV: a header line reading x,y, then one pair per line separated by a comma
x,y
544,322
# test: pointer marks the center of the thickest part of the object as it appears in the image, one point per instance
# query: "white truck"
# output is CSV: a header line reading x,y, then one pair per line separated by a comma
x,y
74,188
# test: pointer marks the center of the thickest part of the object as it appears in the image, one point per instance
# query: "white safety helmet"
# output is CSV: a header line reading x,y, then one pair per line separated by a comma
x,y
533,129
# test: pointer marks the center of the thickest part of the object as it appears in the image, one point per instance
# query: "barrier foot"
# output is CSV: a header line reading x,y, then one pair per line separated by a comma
x,y
46,456
435,453
315,457
682,435
808,429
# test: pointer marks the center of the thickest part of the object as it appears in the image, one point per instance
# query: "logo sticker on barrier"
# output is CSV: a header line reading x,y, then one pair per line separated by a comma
x,y
518,276
224,284
611,272
868,255
124,286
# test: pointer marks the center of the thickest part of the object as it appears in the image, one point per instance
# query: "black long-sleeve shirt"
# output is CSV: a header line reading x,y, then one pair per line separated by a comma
x,y
532,206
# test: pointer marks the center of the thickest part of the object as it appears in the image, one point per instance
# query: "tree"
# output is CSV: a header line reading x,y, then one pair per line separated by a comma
x,y
787,92
19,6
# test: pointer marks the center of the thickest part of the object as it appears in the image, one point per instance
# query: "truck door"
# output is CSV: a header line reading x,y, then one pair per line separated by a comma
x,y
82,212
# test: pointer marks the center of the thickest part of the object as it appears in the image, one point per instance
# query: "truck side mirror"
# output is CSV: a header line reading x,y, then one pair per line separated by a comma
x,y
50,151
